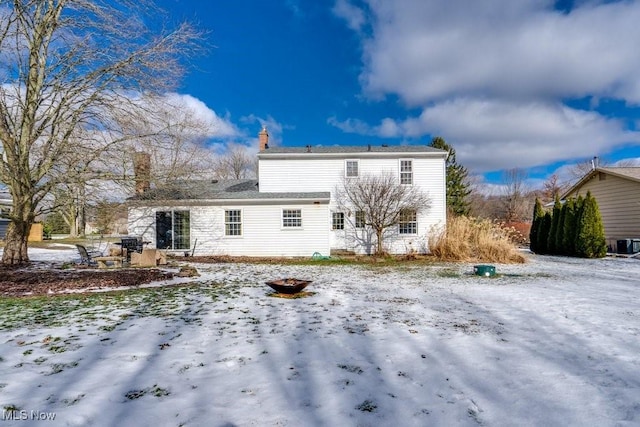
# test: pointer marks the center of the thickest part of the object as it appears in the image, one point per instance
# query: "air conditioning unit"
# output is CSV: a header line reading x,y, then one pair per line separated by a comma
x,y
628,246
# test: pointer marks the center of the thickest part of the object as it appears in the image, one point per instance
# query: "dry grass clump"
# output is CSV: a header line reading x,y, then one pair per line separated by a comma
x,y
469,239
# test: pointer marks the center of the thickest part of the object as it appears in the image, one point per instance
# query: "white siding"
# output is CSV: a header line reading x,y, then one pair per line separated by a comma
x,y
326,174
262,232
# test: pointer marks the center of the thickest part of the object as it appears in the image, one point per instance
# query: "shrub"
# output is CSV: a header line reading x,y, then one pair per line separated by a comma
x,y
544,225
590,238
538,213
469,239
553,231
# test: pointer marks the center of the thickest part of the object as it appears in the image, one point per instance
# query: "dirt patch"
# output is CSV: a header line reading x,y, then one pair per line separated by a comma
x,y
29,282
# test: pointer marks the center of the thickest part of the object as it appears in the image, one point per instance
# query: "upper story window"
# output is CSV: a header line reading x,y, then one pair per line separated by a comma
x,y
406,172
351,168
233,222
292,218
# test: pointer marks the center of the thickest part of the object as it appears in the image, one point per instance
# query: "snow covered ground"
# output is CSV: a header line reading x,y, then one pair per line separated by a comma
x,y
553,342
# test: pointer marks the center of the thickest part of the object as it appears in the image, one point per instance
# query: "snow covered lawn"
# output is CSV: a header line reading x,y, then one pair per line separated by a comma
x,y
552,342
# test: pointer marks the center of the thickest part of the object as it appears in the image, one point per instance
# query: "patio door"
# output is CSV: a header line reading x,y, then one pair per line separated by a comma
x,y
173,230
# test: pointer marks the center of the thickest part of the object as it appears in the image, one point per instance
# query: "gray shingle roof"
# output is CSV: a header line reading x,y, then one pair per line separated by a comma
x,y
340,149
633,173
242,189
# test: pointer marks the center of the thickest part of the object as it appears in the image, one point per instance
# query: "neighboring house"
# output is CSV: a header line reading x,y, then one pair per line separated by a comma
x,y
617,191
291,210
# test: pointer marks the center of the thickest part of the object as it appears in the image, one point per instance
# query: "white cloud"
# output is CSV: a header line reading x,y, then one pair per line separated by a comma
x,y
429,50
491,134
214,125
274,128
491,76
353,15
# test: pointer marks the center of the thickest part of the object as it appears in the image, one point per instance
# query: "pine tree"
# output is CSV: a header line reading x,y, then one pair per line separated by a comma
x,y
457,180
569,228
553,231
560,231
538,214
590,239
543,233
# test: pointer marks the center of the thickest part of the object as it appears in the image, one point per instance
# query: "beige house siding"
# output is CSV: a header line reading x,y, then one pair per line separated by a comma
x,y
619,203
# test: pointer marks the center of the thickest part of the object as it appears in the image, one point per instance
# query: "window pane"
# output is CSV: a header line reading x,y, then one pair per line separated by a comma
x,y
164,230
233,222
360,222
181,230
337,222
406,172
408,222
352,168
292,218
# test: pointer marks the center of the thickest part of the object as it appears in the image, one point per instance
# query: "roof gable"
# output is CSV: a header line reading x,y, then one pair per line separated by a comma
x,y
628,173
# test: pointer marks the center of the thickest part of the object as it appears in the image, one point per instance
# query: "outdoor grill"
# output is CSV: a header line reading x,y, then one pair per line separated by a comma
x,y
131,244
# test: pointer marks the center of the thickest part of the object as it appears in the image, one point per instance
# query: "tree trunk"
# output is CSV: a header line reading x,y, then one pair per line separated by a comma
x,y
15,249
379,250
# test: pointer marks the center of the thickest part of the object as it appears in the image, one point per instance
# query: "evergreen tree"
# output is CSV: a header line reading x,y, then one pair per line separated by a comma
x,y
569,228
553,231
538,214
457,180
560,231
590,240
544,227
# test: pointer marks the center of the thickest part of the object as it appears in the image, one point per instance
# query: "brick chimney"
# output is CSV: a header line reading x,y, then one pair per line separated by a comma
x,y
263,137
142,171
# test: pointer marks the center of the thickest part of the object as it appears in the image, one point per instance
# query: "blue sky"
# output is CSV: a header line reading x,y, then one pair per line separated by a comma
x,y
532,84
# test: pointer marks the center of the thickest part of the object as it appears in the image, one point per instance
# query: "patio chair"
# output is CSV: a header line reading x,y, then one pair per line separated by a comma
x,y
86,256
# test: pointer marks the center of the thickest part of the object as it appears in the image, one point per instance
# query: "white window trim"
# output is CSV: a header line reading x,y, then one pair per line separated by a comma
x,y
357,162
297,227
344,220
224,221
355,221
400,171
409,234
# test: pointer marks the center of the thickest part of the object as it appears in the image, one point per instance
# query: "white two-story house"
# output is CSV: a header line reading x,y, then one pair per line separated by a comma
x,y
292,209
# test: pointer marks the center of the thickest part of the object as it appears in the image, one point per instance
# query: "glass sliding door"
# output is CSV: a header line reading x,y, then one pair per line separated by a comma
x,y
173,230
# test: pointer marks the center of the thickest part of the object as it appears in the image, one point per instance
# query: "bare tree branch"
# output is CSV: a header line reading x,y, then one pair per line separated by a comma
x,y
382,199
72,71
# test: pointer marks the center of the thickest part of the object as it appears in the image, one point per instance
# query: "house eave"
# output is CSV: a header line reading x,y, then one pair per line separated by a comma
x,y
228,202
265,155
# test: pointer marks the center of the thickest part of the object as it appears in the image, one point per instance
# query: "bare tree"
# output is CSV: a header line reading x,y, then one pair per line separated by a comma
x,y
73,74
235,164
381,201
552,187
515,200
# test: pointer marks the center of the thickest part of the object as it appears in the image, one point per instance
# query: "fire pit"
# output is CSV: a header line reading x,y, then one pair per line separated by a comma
x,y
289,285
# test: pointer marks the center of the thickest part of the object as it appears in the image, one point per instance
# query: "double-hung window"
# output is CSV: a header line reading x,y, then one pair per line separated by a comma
x,y
233,222
351,168
337,221
360,221
291,218
408,222
406,172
